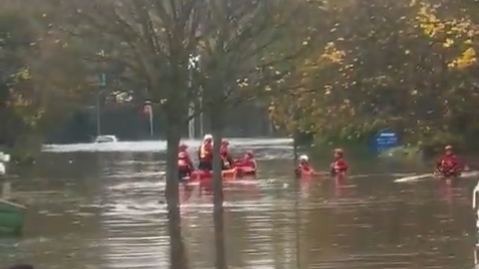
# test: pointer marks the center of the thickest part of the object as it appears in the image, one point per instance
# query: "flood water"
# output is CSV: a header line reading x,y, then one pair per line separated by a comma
x,y
98,208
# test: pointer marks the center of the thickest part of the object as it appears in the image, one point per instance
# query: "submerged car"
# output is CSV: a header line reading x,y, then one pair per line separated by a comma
x,y
106,139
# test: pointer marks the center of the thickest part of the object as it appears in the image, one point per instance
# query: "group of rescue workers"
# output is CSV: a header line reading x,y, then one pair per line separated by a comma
x,y
338,166
205,157
448,165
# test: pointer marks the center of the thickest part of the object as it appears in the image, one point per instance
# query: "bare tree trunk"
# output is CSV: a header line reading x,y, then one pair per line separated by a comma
x,y
177,249
218,197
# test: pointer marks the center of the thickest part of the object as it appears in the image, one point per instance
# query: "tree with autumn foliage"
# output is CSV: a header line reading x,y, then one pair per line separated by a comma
x,y
406,65
36,81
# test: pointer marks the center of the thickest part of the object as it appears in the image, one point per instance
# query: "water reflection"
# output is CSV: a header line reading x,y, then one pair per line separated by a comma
x,y
101,210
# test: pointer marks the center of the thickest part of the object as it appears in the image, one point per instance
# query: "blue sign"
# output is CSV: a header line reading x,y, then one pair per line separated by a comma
x,y
384,140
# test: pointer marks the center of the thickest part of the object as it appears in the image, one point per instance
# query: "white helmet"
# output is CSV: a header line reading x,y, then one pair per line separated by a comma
x,y
208,137
303,158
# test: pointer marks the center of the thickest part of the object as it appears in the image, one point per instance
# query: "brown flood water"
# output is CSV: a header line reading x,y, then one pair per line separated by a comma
x,y
101,210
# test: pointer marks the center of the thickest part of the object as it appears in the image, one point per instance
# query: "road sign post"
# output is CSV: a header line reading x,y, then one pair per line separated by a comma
x,y
384,140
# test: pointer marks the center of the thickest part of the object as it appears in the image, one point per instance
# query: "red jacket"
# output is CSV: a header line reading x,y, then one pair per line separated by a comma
x,y
205,152
449,163
340,165
306,167
225,155
303,168
184,160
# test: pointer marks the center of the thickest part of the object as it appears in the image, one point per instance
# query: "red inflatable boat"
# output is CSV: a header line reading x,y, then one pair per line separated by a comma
x,y
202,174
245,171
230,174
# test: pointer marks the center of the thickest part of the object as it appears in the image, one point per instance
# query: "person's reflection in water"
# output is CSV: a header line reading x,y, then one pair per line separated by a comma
x,y
306,185
339,187
185,192
446,191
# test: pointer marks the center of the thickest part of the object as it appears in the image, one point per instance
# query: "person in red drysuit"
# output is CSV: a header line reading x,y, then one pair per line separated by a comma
x,y
205,154
304,166
247,160
185,165
449,165
227,161
339,165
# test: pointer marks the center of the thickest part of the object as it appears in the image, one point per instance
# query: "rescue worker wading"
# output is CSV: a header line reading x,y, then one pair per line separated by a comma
x,y
185,165
205,153
226,159
248,160
303,166
449,165
339,165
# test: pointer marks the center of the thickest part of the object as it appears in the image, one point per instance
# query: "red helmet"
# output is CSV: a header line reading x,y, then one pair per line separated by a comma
x,y
225,142
183,146
448,147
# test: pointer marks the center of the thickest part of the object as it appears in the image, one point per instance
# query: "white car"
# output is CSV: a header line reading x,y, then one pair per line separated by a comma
x,y
106,139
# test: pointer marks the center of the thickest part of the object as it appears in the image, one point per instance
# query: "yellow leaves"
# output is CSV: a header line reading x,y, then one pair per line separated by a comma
x,y
448,43
328,89
23,74
24,107
428,21
466,59
242,83
333,54
455,35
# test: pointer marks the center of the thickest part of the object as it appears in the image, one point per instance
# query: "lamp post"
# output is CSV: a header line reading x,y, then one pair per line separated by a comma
x,y
149,109
102,85
193,65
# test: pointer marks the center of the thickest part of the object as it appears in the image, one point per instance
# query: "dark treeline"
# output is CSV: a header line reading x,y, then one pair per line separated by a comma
x,y
51,82
130,123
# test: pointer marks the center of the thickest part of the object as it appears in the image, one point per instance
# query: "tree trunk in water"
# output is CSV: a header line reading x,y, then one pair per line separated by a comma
x,y
218,198
177,249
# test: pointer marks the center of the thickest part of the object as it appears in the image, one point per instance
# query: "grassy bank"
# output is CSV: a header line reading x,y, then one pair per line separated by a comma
x,y
321,149
412,147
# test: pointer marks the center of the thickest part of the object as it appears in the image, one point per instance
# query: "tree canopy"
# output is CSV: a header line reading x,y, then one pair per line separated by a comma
x,y
39,76
407,65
